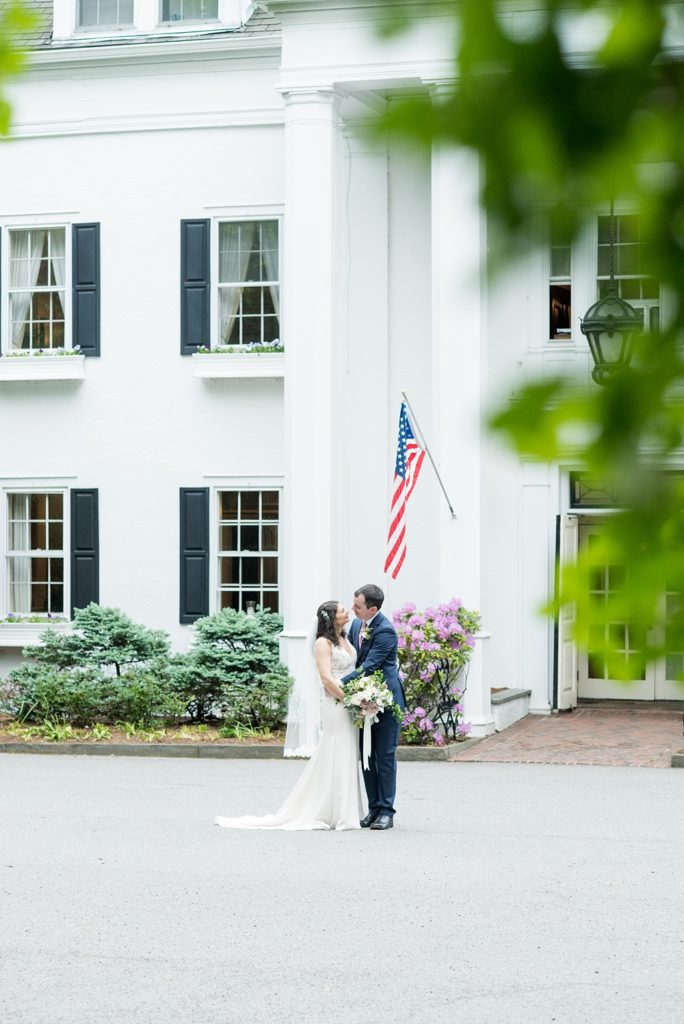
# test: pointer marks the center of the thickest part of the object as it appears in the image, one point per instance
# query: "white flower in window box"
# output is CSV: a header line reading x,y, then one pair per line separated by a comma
x,y
257,348
258,360
24,630
42,364
39,353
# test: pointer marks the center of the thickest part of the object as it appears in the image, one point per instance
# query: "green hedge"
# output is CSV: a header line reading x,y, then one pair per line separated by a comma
x,y
111,669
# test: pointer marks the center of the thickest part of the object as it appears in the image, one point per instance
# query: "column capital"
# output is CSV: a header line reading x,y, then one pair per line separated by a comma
x,y
440,88
324,95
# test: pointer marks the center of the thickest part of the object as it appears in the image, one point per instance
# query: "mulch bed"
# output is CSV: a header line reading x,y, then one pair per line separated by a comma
x,y
178,735
189,736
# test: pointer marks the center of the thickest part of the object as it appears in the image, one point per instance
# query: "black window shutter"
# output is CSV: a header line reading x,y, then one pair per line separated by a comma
x,y
194,553
195,285
85,247
85,549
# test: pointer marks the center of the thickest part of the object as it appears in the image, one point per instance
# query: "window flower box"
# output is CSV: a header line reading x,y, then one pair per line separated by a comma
x,y
245,361
18,632
46,364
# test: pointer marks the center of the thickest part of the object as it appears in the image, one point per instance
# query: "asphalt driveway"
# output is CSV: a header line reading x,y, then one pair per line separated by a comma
x,y
507,893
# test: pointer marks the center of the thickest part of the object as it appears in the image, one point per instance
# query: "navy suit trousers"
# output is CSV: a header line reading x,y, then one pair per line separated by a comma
x,y
380,779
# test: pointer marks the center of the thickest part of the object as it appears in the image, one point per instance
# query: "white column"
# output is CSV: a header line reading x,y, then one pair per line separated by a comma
x,y
361,368
458,333
309,329
535,572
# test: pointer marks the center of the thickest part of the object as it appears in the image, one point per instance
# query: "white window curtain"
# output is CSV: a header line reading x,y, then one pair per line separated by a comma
x,y
58,260
269,239
58,263
235,249
19,567
26,250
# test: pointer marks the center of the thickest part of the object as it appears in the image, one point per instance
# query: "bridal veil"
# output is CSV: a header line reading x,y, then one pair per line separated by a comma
x,y
304,707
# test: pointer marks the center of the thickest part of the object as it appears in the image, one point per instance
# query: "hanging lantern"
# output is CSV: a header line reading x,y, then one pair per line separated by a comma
x,y
611,325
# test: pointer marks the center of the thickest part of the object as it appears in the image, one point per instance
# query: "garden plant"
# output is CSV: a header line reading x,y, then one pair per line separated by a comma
x,y
435,646
233,671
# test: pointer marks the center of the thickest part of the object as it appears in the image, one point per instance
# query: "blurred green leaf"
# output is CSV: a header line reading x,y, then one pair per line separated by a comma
x,y
16,19
559,135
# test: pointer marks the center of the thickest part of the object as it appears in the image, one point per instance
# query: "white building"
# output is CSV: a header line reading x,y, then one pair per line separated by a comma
x,y
163,155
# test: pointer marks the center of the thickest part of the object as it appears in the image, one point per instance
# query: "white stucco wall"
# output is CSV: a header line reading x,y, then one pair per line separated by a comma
x,y
139,139
140,426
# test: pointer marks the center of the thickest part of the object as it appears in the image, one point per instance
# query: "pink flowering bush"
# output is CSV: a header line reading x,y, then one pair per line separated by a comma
x,y
418,727
434,647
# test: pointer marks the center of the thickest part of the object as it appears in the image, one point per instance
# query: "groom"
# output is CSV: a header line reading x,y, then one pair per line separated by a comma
x,y
375,640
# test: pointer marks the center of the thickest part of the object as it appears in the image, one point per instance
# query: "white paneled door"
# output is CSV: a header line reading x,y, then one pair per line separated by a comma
x,y
657,680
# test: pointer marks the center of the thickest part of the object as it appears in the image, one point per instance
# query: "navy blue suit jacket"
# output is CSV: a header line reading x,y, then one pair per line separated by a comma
x,y
378,652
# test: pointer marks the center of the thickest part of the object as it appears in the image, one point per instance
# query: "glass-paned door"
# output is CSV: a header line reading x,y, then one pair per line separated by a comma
x,y
657,680
670,670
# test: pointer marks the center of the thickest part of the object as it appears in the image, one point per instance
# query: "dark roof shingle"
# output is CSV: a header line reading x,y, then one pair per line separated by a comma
x,y
41,34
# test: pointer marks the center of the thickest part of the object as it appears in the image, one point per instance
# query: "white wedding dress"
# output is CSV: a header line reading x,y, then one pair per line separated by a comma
x,y
327,794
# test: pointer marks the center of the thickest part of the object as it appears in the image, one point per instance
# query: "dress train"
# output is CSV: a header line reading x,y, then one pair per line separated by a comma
x,y
327,794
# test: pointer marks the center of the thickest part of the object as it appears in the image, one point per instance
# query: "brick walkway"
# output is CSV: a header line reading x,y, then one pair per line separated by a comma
x,y
623,736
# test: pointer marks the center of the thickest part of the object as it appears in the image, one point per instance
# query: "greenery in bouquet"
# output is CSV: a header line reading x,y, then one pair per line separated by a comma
x,y
366,692
434,646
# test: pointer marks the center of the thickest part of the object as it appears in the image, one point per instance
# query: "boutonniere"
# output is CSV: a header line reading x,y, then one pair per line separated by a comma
x,y
366,633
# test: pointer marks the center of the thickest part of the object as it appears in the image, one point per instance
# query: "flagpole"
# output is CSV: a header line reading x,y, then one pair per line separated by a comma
x,y
421,438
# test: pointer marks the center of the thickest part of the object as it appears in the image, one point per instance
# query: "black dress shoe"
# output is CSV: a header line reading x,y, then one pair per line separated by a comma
x,y
383,821
369,819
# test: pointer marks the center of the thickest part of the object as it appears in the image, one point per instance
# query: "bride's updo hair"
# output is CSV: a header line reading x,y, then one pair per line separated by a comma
x,y
327,622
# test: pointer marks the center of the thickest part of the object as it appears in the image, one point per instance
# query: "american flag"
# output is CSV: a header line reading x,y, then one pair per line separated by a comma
x,y
406,469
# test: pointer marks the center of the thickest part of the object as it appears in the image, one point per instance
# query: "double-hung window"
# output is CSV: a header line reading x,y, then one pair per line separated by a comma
x,y
560,287
249,282
105,14
248,552
579,273
37,288
189,10
35,553
73,18
633,281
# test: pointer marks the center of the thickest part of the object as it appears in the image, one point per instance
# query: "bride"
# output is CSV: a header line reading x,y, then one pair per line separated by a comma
x,y
327,794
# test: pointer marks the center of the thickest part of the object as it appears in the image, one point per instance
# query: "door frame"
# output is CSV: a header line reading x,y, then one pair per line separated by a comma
x,y
567,658
565,680
566,677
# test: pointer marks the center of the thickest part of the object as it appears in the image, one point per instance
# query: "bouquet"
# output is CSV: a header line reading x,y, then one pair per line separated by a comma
x,y
366,697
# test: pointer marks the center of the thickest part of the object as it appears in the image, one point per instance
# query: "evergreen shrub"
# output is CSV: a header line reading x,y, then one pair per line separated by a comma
x,y
233,670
